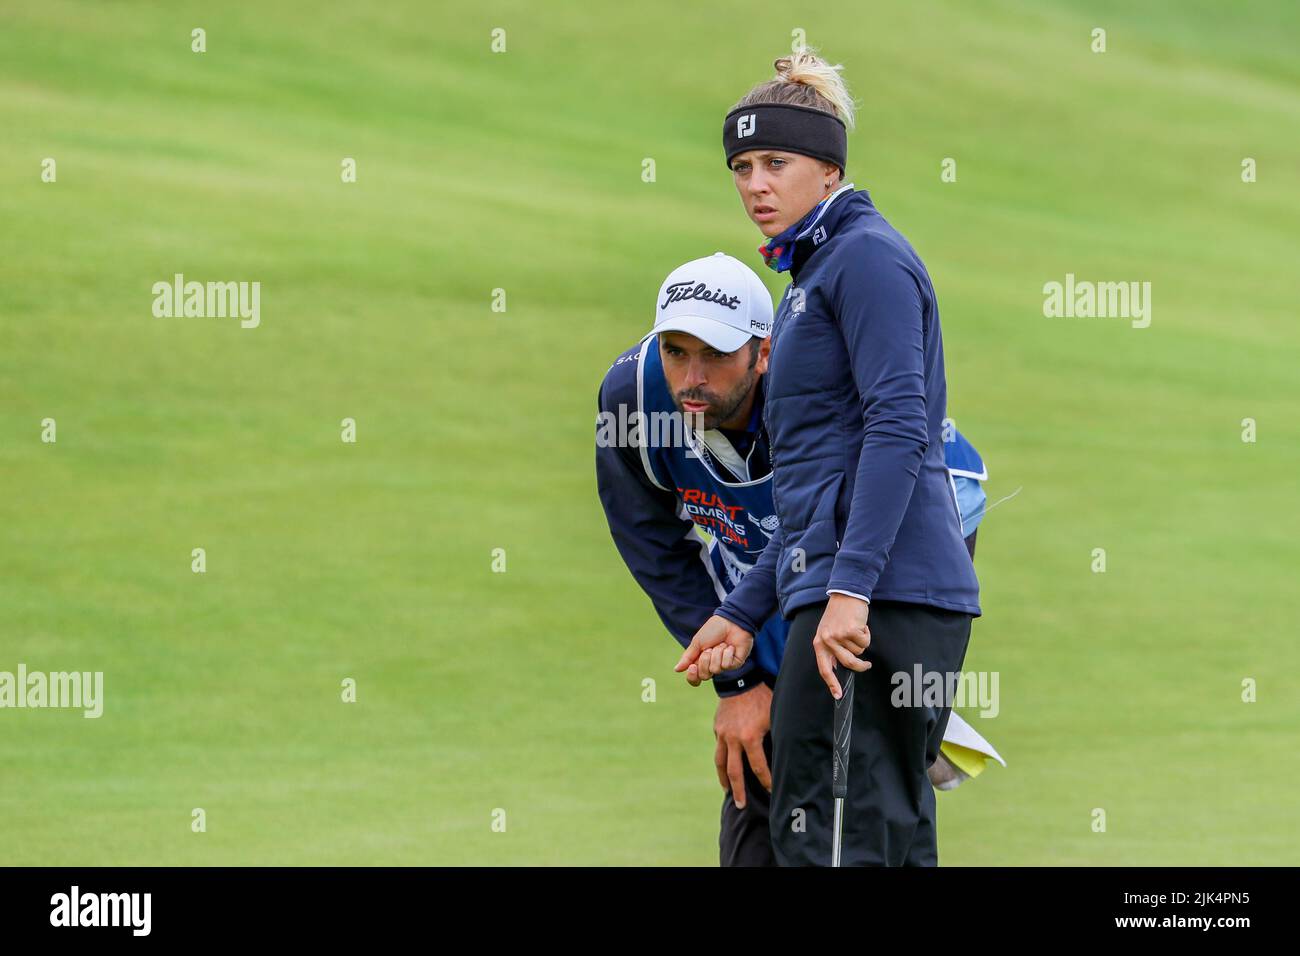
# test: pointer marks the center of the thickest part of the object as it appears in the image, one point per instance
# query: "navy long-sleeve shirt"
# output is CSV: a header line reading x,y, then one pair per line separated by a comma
x,y
855,409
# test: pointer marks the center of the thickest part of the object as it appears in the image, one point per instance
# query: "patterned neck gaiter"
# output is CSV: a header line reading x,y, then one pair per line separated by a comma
x,y
778,252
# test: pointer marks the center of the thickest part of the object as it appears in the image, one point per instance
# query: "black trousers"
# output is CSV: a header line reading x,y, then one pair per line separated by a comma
x,y
745,838
889,813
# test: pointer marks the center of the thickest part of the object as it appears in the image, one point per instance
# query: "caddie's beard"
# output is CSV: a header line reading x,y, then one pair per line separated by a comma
x,y
721,407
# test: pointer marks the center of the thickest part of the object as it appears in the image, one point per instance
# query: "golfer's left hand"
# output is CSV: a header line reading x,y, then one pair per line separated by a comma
x,y
841,636
716,647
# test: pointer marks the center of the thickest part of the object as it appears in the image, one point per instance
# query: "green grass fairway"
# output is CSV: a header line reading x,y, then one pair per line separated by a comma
x,y
522,171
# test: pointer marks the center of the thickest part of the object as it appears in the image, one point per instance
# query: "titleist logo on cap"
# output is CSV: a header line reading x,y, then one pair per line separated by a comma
x,y
690,289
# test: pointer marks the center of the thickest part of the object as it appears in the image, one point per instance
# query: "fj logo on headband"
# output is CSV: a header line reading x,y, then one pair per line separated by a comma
x,y
745,126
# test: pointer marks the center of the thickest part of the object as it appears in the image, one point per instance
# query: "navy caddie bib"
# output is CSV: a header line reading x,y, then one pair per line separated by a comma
x,y
738,515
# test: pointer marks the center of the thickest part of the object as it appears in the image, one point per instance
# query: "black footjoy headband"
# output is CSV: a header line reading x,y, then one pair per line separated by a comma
x,y
794,129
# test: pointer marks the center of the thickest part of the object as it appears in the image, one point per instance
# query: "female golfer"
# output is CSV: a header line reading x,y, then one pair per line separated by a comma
x,y
869,524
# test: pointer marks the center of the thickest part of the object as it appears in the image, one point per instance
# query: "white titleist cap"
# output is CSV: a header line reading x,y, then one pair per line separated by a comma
x,y
717,299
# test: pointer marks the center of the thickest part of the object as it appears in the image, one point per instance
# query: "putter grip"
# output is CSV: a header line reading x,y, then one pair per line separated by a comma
x,y
843,729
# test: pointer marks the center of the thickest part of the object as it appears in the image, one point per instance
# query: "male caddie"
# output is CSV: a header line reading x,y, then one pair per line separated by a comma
x,y
680,448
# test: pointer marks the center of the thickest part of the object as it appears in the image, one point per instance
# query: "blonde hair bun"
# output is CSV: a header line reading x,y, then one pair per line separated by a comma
x,y
806,68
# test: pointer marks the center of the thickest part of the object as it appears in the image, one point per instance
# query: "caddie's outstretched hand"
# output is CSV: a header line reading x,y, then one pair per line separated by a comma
x,y
718,646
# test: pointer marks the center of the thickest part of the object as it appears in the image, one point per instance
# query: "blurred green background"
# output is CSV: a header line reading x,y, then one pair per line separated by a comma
x,y
522,171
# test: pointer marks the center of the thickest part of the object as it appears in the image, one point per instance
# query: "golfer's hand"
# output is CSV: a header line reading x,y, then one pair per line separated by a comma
x,y
841,636
740,725
716,647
